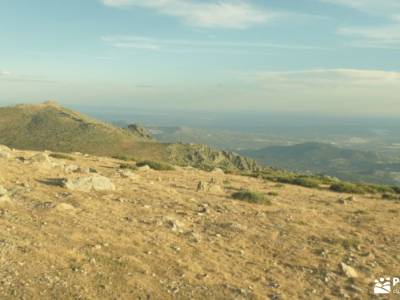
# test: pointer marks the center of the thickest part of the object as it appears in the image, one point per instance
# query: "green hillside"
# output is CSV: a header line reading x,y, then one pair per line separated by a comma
x,y
346,164
49,126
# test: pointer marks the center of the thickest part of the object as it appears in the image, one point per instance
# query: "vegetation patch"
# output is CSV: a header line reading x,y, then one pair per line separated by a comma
x,y
128,167
274,194
159,166
61,156
123,157
346,187
251,197
350,244
307,182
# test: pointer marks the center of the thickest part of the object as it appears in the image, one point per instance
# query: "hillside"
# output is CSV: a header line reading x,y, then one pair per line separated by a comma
x,y
49,126
346,164
82,227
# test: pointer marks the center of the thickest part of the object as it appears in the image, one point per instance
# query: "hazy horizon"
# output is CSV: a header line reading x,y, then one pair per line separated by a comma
x,y
326,57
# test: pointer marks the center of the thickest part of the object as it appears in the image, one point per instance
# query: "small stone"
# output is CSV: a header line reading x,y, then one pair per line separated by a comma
x,y
127,174
64,206
3,191
348,271
144,168
71,168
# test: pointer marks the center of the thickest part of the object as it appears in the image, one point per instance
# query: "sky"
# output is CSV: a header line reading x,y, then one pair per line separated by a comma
x,y
330,57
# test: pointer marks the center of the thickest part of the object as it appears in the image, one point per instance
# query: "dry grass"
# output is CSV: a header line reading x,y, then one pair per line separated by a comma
x,y
153,238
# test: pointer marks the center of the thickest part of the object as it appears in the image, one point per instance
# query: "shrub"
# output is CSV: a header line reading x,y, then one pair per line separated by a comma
x,y
251,197
274,194
159,166
128,166
301,181
350,243
345,187
123,157
387,196
61,156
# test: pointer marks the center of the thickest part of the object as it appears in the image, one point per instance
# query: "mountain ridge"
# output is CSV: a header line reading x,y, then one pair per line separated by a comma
x,y
49,126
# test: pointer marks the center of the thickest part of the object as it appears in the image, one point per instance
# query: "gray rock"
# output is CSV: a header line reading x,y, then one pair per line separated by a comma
x,y
144,168
64,207
41,158
5,152
211,187
202,186
89,183
127,174
71,168
348,271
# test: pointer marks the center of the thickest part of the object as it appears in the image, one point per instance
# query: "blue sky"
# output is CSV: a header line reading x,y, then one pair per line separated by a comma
x,y
322,56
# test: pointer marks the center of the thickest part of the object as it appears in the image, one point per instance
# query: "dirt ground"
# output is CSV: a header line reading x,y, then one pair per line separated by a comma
x,y
156,237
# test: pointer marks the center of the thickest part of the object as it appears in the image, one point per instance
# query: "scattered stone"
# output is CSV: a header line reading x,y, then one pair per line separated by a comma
x,y
202,186
64,206
203,209
127,174
41,158
4,198
211,187
71,168
175,225
90,183
348,271
5,152
144,168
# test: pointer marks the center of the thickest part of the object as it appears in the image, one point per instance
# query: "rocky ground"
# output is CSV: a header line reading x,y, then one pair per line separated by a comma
x,y
87,229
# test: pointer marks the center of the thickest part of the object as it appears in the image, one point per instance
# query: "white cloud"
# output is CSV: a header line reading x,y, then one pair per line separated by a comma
x,y
386,7
221,14
181,45
342,78
12,77
387,36
332,91
4,73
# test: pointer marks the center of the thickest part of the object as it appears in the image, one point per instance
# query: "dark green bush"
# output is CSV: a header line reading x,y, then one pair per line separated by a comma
x,y
128,166
251,197
301,181
345,187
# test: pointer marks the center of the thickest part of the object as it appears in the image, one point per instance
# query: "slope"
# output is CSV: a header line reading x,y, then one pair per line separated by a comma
x,y
49,126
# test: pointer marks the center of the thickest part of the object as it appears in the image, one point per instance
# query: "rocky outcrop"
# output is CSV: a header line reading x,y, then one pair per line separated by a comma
x,y
205,157
140,131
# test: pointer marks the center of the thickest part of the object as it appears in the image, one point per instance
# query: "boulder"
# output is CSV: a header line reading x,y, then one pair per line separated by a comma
x,y
71,168
41,158
144,168
4,198
5,152
89,183
211,187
